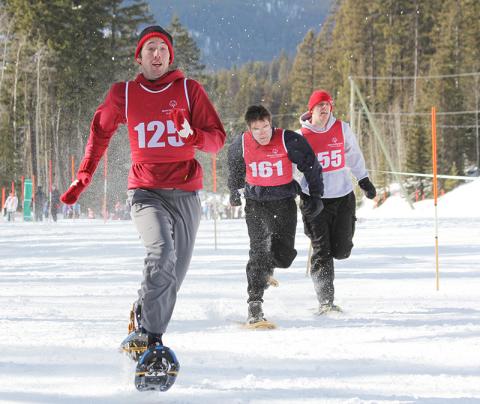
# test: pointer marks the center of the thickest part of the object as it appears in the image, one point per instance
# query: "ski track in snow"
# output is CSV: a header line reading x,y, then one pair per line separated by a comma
x,y
67,288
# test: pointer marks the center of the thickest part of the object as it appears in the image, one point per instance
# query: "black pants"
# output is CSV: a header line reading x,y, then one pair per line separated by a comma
x,y
54,211
271,228
39,213
331,234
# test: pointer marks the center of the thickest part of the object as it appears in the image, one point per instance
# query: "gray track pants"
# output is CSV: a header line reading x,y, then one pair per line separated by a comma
x,y
167,221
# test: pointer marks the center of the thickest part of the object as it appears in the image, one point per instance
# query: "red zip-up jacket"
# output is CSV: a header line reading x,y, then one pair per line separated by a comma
x,y
209,136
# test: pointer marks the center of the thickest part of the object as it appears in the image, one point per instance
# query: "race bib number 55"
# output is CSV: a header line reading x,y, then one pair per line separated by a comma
x,y
331,160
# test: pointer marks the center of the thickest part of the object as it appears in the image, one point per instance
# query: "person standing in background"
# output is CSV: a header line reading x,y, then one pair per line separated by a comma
x,y
10,206
39,203
55,202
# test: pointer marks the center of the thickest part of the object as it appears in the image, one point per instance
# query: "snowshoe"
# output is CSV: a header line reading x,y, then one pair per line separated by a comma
x,y
260,325
271,281
255,319
328,308
135,317
135,344
157,369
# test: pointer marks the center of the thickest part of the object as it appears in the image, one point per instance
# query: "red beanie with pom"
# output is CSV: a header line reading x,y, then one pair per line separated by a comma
x,y
155,31
317,97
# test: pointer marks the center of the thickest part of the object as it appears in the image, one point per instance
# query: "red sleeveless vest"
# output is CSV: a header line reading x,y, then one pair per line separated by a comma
x,y
267,165
328,146
152,134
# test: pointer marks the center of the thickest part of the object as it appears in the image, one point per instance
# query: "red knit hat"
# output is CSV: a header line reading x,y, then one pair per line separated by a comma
x,y
317,97
155,31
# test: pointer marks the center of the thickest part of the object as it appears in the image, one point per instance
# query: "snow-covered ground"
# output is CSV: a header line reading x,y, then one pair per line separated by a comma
x,y
66,290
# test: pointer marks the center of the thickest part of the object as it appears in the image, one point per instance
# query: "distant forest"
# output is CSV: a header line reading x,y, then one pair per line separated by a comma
x,y
229,32
58,59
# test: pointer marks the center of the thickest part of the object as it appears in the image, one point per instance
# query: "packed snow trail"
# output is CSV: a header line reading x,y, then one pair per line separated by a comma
x,y
67,288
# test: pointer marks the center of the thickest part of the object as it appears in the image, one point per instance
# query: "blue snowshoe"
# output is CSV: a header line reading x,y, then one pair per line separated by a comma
x,y
157,369
135,344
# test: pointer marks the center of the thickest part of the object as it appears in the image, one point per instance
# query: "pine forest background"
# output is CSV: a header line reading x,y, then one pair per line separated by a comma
x,y
58,59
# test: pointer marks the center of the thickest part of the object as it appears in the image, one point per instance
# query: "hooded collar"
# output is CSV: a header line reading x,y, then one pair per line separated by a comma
x,y
306,122
161,82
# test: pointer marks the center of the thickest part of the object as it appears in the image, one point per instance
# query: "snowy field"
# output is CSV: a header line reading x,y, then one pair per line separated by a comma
x,y
66,290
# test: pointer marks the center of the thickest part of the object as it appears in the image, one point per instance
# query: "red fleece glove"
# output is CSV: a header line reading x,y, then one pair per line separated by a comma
x,y
84,178
181,124
73,192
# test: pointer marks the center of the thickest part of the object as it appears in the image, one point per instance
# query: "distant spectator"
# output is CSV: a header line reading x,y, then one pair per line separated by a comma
x,y
65,209
117,211
40,200
126,210
421,191
46,208
204,209
90,213
10,206
76,211
237,212
55,202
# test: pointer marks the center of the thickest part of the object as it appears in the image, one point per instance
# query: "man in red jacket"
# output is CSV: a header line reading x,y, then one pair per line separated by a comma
x,y
168,118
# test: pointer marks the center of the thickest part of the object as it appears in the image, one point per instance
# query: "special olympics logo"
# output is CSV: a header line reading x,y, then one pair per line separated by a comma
x,y
275,151
173,103
334,139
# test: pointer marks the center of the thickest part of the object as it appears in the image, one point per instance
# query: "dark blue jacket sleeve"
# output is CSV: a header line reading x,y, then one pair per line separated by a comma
x,y
301,153
236,165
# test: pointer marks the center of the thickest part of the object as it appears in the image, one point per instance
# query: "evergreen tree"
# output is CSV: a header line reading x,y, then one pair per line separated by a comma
x,y
352,49
58,59
303,74
280,92
418,147
445,93
60,67
449,183
326,76
187,53
122,26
